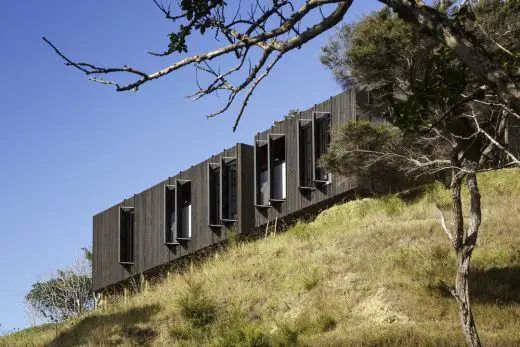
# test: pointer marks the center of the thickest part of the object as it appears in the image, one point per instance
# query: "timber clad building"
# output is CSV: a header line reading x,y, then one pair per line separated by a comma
x,y
240,189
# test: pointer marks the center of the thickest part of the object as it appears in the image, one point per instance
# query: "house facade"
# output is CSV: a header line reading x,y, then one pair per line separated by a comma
x,y
240,190
178,216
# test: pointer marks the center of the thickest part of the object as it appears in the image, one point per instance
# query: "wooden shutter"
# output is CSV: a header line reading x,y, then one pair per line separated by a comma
x,y
126,235
255,175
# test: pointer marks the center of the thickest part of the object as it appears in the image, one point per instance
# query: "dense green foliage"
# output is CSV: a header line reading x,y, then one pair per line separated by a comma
x,y
412,77
357,149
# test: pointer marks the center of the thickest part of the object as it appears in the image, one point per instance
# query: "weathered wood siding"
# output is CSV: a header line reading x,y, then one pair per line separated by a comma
x,y
150,249
342,109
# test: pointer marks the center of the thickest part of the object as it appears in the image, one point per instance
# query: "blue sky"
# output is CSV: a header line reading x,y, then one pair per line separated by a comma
x,y
70,148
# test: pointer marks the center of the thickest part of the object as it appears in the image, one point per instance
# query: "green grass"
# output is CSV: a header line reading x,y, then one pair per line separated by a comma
x,y
365,273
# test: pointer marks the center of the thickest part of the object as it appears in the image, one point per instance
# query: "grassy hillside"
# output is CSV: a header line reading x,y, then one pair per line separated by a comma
x,y
364,273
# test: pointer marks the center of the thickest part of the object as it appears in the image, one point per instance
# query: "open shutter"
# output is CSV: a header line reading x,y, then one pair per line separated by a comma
x,y
298,154
209,193
223,203
305,153
261,156
269,167
167,217
178,210
255,175
322,140
126,235
214,194
313,146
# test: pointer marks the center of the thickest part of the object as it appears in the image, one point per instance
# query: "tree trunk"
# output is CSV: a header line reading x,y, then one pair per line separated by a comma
x,y
464,243
474,56
467,321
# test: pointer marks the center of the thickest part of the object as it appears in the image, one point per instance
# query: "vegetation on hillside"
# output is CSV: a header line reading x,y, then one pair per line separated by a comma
x,y
450,120
66,294
364,273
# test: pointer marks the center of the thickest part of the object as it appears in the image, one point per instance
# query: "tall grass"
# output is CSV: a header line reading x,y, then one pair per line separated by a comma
x,y
365,273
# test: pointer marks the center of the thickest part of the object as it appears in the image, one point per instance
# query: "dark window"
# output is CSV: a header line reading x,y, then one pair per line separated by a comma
x,y
214,194
261,174
170,231
184,210
126,235
229,189
305,154
277,167
321,142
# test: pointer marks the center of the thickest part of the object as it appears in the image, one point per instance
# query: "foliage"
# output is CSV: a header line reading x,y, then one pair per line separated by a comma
x,y
355,148
498,21
196,307
411,76
381,155
69,293
196,12
406,70
292,113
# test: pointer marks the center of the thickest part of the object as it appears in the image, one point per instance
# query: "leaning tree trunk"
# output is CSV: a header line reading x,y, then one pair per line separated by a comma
x,y
464,243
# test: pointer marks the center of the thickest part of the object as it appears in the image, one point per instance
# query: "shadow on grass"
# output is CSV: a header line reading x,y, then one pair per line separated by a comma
x,y
110,329
498,286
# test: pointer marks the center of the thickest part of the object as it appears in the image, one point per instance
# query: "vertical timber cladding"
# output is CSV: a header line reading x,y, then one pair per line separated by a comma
x,y
313,188
151,248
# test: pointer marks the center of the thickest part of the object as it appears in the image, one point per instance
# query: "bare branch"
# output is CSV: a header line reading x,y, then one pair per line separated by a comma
x,y
510,155
239,44
445,228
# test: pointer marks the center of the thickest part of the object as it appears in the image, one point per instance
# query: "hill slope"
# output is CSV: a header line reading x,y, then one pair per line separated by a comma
x,y
364,273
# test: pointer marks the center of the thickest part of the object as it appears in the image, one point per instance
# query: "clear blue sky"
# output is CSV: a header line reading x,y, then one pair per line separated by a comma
x,y
70,148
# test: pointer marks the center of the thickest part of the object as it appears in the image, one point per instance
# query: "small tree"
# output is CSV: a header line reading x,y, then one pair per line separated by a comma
x,y
67,294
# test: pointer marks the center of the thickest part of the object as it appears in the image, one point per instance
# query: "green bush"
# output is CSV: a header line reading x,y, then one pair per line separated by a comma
x,y
311,280
325,322
196,307
284,337
392,205
244,335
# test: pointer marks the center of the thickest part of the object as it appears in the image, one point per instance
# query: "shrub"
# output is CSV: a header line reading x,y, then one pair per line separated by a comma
x,y
300,230
285,336
184,332
244,335
325,322
311,280
196,307
392,205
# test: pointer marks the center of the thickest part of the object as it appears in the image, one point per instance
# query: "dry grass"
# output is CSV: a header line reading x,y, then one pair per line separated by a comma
x,y
364,273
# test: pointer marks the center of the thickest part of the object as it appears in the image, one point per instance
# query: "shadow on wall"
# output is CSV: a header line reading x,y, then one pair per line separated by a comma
x,y
114,328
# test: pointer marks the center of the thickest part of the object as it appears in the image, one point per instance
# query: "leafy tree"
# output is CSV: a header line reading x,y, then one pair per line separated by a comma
x,y
68,293
265,32
382,157
438,102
